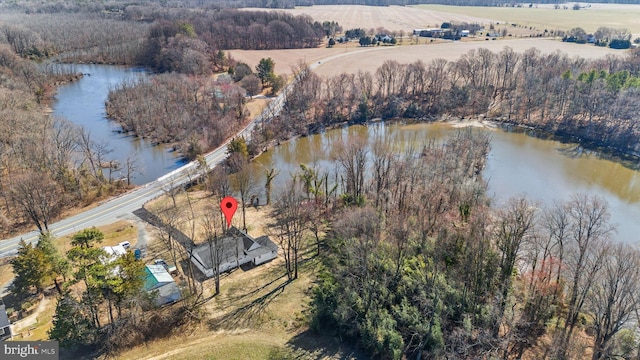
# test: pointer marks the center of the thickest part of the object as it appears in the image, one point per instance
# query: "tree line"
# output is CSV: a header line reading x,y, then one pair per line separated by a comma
x,y
589,101
145,8
199,37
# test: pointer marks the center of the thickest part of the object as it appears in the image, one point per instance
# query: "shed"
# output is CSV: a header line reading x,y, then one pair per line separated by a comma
x,y
159,282
156,276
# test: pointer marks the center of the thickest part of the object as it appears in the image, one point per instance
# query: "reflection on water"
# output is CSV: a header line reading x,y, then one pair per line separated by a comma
x,y
518,164
82,102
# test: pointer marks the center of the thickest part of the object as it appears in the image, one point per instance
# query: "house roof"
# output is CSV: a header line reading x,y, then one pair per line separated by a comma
x,y
235,243
156,276
168,293
4,319
266,242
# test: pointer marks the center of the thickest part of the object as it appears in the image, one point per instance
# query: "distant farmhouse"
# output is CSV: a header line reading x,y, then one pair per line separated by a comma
x,y
235,249
5,325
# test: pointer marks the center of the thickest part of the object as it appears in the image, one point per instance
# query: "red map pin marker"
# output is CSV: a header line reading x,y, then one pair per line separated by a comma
x,y
228,205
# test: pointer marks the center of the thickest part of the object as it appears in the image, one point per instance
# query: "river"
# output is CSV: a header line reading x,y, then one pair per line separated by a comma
x,y
518,164
83,103
544,170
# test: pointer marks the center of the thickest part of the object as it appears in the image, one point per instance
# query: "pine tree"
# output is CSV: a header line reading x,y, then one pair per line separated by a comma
x,y
29,269
70,326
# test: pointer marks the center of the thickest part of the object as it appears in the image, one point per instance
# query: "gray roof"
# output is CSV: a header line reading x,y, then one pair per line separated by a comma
x,y
227,247
235,242
266,242
4,319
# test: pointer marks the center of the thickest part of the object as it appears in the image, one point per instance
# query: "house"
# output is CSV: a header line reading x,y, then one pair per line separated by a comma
x,y
234,249
159,281
385,38
5,324
433,32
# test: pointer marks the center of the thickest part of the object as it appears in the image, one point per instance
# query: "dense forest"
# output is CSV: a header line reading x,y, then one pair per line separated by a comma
x,y
592,102
420,266
159,40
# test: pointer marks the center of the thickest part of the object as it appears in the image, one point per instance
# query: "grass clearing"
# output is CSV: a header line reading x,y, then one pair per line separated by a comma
x,y
392,18
257,314
351,60
113,235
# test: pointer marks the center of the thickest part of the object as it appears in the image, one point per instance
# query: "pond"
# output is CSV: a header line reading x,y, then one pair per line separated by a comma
x,y
544,170
83,103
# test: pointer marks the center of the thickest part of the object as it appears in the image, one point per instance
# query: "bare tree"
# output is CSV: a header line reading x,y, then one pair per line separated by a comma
x,y
39,197
514,224
352,159
242,181
613,298
290,219
589,232
214,230
269,175
132,165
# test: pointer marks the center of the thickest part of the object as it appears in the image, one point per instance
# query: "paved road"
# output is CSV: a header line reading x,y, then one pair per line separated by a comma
x,y
122,207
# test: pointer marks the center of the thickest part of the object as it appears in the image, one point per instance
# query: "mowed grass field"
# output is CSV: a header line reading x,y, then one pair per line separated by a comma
x,y
546,17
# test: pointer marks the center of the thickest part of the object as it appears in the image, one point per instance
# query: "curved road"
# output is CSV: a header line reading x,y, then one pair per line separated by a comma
x,y
123,206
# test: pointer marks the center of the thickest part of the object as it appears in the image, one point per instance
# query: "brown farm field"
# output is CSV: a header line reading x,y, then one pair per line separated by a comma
x,y
392,18
407,18
546,17
352,59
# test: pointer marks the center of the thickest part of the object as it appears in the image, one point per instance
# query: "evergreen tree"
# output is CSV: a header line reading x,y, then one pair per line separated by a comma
x,y
28,269
70,326
87,237
264,70
54,264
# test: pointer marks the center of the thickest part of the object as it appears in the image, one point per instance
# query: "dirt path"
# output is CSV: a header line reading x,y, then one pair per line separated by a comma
x,y
32,319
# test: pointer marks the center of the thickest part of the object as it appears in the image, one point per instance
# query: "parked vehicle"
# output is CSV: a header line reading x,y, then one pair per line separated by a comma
x,y
125,244
171,269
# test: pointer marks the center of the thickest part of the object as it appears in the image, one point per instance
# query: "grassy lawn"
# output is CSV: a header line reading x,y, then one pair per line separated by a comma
x,y
113,235
549,18
42,325
257,314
